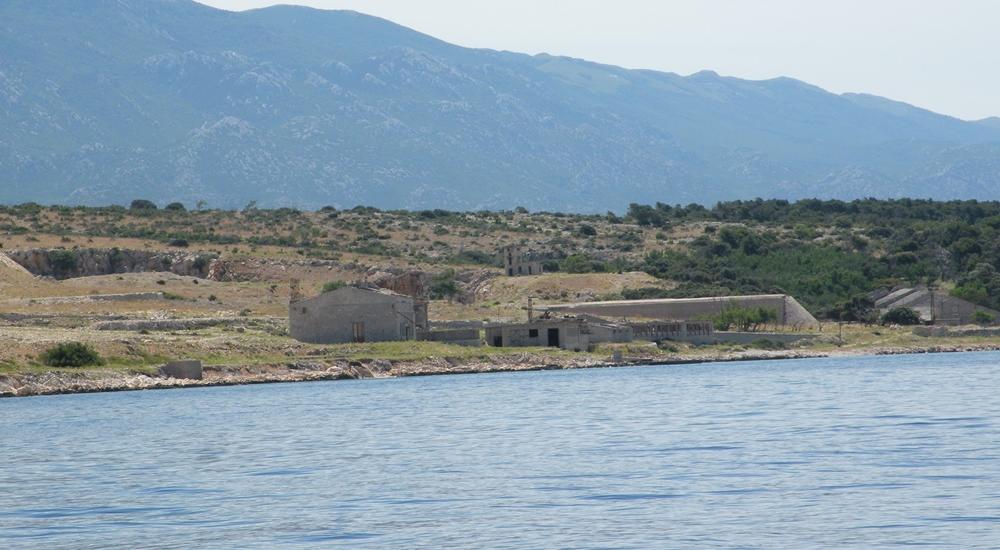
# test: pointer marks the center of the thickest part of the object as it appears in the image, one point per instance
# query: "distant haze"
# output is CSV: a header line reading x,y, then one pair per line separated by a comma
x,y
940,55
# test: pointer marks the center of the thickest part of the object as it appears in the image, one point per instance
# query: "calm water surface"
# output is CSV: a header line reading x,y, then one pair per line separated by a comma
x,y
830,453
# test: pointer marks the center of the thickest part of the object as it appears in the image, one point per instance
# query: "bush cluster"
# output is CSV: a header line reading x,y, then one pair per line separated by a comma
x,y
71,354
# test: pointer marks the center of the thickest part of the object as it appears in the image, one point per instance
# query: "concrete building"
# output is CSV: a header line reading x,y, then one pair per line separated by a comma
x,y
789,311
571,333
356,314
934,308
696,332
519,261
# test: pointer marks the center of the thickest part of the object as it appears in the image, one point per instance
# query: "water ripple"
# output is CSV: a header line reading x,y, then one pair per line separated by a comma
x,y
852,453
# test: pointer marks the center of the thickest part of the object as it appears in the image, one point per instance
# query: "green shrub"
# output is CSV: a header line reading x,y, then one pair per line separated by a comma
x,y
71,354
333,285
983,318
744,319
443,285
142,204
62,261
901,316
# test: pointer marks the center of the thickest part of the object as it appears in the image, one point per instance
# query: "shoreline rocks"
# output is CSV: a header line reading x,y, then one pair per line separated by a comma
x,y
103,380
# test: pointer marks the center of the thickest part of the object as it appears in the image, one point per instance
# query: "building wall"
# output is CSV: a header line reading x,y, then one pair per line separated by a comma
x,y
600,333
698,332
573,335
936,307
330,318
751,337
949,310
789,311
518,262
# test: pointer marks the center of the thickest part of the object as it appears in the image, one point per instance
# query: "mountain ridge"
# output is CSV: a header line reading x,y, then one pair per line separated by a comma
x,y
293,106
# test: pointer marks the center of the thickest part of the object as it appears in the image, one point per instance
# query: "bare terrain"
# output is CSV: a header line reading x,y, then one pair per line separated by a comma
x,y
230,309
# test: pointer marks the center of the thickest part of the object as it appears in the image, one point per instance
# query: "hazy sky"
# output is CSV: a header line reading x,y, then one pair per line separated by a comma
x,y
938,54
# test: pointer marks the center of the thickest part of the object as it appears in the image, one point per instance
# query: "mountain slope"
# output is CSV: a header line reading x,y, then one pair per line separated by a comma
x,y
107,100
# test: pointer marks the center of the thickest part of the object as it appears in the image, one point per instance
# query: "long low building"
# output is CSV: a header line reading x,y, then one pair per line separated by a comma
x,y
576,333
788,310
938,308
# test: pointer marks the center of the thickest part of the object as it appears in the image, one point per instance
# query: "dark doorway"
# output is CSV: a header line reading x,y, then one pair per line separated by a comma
x,y
359,332
554,337
498,341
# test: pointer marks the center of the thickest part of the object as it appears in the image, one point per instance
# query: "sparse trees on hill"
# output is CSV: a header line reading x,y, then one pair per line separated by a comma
x,y
142,204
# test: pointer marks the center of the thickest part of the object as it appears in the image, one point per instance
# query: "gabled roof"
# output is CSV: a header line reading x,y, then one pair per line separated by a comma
x,y
894,296
375,291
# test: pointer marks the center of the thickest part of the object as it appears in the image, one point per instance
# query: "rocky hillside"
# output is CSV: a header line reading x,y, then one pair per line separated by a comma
x,y
107,100
87,262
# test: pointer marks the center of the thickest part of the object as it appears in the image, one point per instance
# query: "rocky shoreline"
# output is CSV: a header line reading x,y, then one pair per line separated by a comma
x,y
103,380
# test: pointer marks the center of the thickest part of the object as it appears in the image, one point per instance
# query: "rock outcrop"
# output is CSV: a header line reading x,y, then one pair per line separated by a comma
x,y
87,262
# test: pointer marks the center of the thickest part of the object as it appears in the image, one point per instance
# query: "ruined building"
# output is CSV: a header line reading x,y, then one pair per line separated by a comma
x,y
935,308
356,314
570,333
518,261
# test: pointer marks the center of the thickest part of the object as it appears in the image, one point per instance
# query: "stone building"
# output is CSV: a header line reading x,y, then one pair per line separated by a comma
x,y
356,314
934,308
571,333
788,311
519,261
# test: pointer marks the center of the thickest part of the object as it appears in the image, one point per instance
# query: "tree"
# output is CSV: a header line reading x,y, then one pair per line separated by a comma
x,y
859,309
645,215
175,207
577,263
443,285
142,204
62,261
750,319
901,316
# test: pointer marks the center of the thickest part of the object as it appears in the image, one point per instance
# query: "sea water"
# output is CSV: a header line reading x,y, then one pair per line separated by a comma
x,y
873,452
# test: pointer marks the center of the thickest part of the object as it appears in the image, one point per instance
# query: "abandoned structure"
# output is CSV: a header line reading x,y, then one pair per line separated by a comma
x,y
789,312
520,261
935,308
410,283
571,333
356,314
696,332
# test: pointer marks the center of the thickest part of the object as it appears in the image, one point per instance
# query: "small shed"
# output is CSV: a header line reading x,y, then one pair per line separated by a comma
x,y
356,314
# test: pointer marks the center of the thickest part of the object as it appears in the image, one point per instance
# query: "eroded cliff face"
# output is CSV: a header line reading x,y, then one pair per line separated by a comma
x,y
87,262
